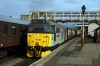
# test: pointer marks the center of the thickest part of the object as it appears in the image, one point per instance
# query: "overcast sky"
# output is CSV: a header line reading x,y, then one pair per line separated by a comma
x,y
18,7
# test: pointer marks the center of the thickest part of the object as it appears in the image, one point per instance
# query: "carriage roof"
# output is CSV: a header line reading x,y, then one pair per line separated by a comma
x,y
13,20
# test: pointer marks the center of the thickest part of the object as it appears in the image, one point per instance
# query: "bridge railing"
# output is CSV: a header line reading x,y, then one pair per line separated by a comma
x,y
66,16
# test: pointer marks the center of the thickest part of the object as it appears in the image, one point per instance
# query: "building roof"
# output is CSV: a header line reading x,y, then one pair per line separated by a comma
x,y
95,23
88,24
97,28
13,20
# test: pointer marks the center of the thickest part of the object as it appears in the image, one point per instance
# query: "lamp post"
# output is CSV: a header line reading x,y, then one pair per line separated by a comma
x,y
83,11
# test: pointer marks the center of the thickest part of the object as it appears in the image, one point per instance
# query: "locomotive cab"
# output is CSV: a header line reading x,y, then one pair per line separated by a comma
x,y
39,38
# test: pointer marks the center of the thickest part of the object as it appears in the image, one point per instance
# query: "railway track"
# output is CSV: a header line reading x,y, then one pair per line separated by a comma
x,y
19,60
26,62
5,59
16,58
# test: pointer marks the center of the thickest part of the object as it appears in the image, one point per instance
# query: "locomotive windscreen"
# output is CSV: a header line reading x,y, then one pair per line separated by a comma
x,y
41,28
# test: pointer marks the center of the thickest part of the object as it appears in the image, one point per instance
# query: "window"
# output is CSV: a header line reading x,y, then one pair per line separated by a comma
x,y
78,28
13,30
20,30
47,28
57,30
39,28
5,29
53,28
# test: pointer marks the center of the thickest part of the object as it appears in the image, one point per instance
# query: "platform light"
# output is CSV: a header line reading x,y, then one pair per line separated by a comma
x,y
83,11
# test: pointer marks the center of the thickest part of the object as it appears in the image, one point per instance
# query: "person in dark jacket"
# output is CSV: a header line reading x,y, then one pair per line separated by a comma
x,y
85,37
95,36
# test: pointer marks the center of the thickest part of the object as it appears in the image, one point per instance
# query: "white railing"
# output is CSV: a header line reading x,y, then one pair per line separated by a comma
x,y
65,16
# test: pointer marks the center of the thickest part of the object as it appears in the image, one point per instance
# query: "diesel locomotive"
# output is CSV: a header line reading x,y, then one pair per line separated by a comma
x,y
44,36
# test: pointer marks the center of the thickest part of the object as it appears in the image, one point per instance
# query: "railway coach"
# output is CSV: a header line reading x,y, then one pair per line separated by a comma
x,y
10,34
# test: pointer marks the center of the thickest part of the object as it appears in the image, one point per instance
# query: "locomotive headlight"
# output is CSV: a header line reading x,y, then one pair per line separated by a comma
x,y
37,43
29,35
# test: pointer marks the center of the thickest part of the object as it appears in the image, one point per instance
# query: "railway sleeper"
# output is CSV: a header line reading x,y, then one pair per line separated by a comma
x,y
3,54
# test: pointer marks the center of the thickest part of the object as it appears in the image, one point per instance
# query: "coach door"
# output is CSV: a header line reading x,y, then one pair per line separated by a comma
x,y
65,34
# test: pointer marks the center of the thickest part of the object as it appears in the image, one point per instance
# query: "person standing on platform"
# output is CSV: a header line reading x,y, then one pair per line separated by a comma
x,y
95,37
85,37
81,35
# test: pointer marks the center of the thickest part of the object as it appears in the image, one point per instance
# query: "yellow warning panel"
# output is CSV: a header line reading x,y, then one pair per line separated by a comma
x,y
45,53
30,53
43,40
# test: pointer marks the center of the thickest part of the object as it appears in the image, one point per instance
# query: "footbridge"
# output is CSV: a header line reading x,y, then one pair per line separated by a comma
x,y
65,16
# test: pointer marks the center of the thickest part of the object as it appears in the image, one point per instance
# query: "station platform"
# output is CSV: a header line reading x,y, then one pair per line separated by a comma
x,y
73,54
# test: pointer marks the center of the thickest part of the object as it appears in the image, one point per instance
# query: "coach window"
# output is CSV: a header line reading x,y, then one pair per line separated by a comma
x,y
13,30
57,30
5,29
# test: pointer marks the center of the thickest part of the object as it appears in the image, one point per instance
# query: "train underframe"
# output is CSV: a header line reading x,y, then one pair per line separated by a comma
x,y
10,51
37,50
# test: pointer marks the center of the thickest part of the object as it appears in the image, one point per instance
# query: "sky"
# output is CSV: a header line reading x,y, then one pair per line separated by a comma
x,y
19,7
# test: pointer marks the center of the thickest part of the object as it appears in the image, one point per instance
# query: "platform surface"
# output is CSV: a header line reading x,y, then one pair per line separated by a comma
x,y
66,56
